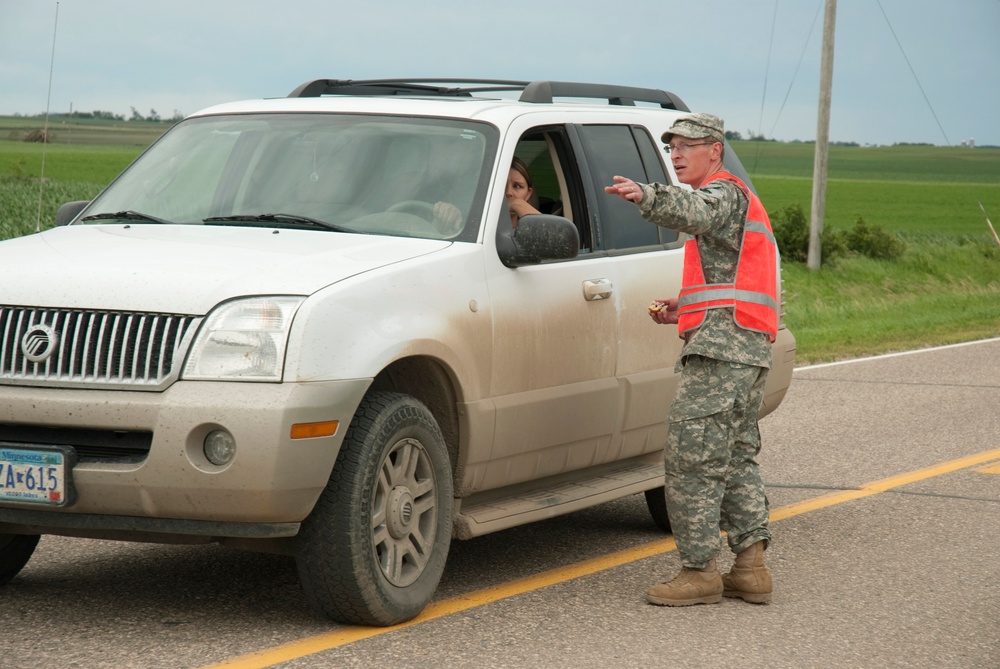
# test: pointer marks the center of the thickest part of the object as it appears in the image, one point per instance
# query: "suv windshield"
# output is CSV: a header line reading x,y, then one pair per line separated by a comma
x,y
367,174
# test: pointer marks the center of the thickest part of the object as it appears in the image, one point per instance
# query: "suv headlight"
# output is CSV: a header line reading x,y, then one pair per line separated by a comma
x,y
243,340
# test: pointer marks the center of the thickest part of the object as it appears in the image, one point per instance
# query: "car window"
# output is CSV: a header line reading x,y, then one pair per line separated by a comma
x,y
655,173
372,174
555,177
622,150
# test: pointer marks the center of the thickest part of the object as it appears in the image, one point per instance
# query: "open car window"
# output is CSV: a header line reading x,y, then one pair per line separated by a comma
x,y
558,190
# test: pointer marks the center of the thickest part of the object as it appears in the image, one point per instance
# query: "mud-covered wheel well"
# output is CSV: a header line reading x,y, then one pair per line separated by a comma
x,y
428,381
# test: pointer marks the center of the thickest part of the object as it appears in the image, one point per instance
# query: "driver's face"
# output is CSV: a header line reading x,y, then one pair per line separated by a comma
x,y
517,186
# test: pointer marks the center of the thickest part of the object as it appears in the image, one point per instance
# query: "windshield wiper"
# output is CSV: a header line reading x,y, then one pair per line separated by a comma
x,y
127,216
288,220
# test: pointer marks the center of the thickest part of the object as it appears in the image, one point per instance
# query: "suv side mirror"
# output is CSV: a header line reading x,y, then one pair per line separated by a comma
x,y
536,238
69,210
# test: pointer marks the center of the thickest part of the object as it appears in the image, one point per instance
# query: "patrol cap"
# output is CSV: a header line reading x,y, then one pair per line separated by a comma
x,y
696,126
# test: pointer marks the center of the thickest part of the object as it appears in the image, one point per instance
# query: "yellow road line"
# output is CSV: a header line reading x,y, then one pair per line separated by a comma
x,y
990,469
882,485
344,636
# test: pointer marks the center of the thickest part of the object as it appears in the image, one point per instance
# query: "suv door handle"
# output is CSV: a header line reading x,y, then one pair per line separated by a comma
x,y
596,289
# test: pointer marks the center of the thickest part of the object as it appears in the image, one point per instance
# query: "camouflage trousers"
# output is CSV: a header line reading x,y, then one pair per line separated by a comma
x,y
712,477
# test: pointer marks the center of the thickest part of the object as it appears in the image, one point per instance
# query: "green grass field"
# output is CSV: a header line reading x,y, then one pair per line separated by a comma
x,y
945,288
934,164
82,157
86,132
72,172
906,189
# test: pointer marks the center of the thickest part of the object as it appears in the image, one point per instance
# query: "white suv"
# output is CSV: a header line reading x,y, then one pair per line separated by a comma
x,y
306,325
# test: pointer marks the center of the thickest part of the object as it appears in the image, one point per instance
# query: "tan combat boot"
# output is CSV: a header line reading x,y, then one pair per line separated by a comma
x,y
691,586
749,579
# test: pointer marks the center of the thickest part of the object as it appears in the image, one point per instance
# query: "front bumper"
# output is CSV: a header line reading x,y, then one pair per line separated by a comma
x,y
272,480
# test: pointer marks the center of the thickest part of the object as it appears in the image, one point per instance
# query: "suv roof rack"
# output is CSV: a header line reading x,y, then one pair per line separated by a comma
x,y
545,91
531,91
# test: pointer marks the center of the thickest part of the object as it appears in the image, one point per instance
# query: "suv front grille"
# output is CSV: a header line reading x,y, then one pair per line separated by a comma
x,y
76,348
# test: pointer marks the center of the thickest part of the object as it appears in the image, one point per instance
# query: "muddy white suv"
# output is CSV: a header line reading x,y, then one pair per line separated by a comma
x,y
306,325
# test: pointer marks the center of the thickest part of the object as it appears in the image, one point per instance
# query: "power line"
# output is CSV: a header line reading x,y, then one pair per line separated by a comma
x,y
767,68
819,7
915,78
759,148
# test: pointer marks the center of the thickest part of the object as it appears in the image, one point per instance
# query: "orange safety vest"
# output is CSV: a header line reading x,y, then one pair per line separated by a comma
x,y
753,296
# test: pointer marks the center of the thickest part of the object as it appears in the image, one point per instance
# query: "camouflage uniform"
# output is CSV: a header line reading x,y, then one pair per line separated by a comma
x,y
712,476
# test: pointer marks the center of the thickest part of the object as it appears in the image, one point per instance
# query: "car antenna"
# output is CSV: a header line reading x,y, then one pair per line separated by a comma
x,y
45,130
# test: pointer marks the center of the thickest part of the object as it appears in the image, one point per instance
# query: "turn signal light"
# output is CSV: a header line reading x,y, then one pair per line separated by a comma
x,y
326,428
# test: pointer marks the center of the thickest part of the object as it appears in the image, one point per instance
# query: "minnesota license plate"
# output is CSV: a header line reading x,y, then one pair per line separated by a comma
x,y
38,475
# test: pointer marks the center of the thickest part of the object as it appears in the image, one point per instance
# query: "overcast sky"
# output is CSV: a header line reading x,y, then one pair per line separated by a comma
x,y
905,70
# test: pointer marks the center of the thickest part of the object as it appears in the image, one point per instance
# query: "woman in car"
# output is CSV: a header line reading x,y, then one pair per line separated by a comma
x,y
519,191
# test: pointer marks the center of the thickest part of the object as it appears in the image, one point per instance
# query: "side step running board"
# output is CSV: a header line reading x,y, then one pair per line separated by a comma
x,y
494,510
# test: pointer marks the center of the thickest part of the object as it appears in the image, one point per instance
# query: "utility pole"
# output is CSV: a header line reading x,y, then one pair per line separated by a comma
x,y
814,257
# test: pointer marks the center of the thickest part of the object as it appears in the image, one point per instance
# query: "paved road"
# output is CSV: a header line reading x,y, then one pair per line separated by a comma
x,y
884,481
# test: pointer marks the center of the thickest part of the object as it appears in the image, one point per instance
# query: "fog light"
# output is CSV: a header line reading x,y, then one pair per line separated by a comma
x,y
220,447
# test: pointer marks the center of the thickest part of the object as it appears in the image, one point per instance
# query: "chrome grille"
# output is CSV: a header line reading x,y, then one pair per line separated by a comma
x,y
77,348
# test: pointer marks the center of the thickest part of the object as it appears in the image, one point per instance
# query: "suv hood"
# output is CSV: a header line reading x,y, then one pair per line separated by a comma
x,y
185,269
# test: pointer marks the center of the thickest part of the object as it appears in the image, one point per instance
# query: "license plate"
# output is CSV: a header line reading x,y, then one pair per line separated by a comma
x,y
36,474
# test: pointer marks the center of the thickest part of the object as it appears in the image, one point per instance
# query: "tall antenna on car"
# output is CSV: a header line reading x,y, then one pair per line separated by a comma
x,y
45,131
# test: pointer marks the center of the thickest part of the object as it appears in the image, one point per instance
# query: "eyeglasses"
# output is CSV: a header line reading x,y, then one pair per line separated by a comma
x,y
684,147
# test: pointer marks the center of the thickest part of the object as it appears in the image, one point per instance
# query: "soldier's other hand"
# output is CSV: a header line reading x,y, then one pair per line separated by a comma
x,y
664,312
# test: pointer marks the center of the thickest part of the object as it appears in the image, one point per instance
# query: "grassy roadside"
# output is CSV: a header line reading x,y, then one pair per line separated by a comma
x,y
946,286
935,294
944,289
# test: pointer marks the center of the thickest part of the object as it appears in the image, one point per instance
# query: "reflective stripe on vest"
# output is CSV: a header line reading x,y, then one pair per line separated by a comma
x,y
753,296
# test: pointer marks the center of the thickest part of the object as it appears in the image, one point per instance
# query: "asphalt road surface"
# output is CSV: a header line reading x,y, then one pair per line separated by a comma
x,y
884,481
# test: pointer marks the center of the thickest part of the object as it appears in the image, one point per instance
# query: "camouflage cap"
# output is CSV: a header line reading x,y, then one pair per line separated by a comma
x,y
696,126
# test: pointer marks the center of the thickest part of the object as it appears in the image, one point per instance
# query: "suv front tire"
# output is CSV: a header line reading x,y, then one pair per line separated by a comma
x,y
374,548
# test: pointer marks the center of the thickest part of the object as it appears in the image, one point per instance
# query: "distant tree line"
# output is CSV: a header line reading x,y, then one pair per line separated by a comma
x,y
735,135
99,115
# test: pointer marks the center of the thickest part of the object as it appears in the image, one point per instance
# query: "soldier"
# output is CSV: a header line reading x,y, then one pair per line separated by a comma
x,y
727,315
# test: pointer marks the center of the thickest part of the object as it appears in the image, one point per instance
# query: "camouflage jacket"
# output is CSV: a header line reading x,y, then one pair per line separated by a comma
x,y
715,214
